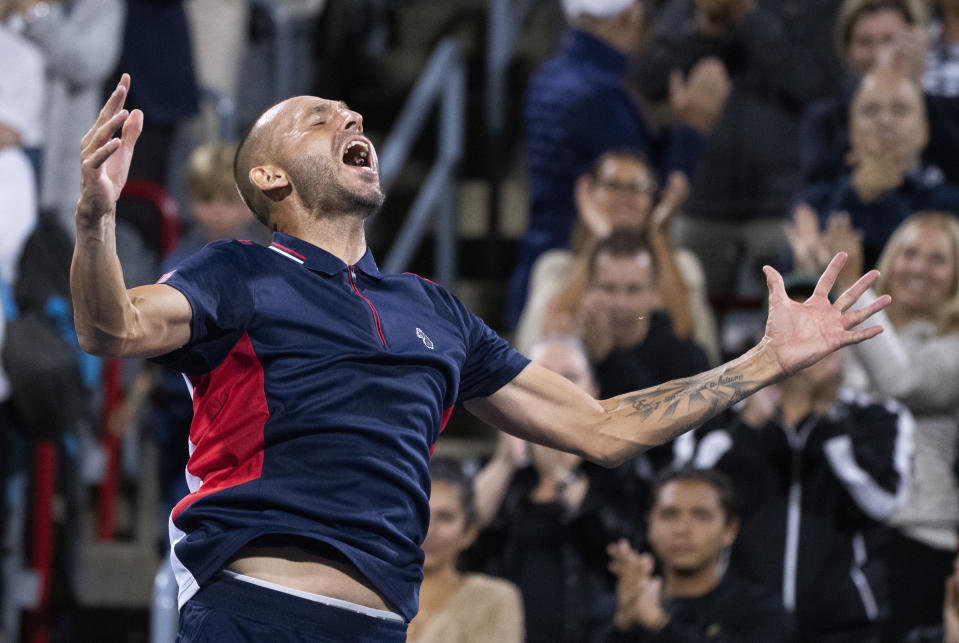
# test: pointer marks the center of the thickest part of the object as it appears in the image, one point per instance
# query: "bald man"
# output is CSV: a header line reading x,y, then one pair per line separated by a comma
x,y
320,384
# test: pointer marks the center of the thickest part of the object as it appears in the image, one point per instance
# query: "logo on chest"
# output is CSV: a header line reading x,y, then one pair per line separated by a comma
x,y
426,340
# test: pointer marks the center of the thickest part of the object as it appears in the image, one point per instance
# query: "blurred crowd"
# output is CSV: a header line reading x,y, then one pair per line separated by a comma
x,y
672,148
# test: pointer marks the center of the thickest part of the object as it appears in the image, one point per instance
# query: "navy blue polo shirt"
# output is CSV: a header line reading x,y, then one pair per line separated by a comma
x,y
319,390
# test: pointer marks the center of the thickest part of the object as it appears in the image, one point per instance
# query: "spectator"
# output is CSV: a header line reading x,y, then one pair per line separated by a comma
x,y
80,41
819,471
217,210
219,30
21,105
941,76
888,131
692,523
457,607
157,52
916,361
576,107
629,341
873,33
618,193
550,517
777,64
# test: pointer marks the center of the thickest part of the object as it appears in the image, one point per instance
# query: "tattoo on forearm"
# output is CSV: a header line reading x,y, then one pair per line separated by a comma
x,y
700,396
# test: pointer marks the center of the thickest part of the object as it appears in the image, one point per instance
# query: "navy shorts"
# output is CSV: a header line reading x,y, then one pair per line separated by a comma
x,y
227,610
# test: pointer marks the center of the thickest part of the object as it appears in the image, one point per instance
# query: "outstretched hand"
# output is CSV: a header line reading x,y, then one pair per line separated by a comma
x,y
105,160
802,333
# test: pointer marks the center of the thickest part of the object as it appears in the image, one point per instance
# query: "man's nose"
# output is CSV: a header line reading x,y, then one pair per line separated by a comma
x,y
352,120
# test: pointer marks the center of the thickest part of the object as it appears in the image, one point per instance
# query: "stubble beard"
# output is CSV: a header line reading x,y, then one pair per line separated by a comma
x,y
323,195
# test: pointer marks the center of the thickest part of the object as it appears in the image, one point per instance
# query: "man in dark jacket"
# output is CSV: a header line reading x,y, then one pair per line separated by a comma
x,y
576,107
780,57
888,131
819,471
693,520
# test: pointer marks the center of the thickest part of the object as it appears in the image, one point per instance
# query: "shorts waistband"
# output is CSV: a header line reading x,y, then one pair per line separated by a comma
x,y
291,611
316,598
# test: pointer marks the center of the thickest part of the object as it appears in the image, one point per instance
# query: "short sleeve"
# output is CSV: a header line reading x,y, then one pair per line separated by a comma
x,y
220,299
490,363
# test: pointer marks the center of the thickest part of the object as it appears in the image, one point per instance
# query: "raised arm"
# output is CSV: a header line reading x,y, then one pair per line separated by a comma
x,y
110,320
543,407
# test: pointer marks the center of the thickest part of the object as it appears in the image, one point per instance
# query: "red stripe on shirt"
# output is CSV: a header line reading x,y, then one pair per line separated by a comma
x,y
291,251
421,277
446,418
229,413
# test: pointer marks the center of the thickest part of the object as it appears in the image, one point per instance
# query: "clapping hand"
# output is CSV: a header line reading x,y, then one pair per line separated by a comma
x,y
841,236
639,594
593,324
590,212
809,251
697,99
672,198
812,248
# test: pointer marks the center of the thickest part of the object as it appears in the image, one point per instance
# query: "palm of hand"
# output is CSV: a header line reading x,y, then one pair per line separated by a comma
x,y
800,334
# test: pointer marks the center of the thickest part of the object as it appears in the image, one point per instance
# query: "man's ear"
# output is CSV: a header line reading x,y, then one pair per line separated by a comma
x,y
730,532
271,181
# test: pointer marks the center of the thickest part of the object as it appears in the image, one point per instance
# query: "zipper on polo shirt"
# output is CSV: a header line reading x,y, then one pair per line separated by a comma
x,y
351,273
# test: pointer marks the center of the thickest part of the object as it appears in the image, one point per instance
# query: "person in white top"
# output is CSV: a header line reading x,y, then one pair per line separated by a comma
x,y
21,104
21,108
916,361
618,193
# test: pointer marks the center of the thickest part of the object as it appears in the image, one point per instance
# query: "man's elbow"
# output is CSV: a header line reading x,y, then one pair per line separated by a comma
x,y
92,345
612,453
101,344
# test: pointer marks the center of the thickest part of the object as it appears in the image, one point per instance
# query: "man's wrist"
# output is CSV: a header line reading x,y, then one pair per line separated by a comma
x,y
627,621
656,623
763,364
93,221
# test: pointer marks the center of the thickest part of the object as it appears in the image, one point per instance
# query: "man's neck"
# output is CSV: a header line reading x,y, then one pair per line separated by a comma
x,y
341,236
797,403
610,33
692,585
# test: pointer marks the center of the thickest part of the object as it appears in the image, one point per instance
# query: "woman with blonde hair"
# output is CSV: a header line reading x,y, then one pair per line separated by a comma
x,y
916,361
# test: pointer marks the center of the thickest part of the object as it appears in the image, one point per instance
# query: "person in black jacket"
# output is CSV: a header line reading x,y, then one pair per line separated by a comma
x,y
549,516
693,521
870,34
632,345
819,470
780,58
888,180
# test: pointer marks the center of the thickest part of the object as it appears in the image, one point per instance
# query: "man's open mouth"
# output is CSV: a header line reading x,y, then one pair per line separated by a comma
x,y
357,154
